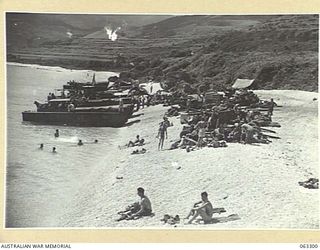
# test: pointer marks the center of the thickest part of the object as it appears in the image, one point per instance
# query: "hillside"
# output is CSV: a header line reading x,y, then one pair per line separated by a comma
x,y
185,52
194,26
26,30
280,52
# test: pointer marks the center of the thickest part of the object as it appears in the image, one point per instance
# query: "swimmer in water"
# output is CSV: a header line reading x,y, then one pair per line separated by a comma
x,y
80,143
54,150
95,141
56,134
41,146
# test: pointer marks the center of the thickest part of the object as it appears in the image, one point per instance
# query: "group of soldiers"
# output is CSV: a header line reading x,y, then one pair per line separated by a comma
x,y
238,118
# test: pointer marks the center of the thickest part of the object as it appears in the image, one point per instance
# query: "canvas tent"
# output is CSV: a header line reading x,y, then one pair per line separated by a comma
x,y
242,83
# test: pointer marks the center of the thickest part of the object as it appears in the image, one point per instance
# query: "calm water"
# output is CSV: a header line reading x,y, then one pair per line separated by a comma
x,y
39,184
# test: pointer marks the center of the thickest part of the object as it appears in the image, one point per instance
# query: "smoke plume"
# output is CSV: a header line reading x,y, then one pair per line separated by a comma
x,y
69,34
112,33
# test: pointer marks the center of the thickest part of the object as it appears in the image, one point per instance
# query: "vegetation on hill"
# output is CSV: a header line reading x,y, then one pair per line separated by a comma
x,y
280,53
183,52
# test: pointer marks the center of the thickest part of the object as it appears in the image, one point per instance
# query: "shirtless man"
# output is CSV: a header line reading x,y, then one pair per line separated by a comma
x,y
271,105
201,125
144,204
203,208
136,142
161,134
249,131
235,134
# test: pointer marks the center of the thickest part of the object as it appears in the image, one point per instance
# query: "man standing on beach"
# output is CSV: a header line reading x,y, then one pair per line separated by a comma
x,y
56,134
163,132
200,127
271,105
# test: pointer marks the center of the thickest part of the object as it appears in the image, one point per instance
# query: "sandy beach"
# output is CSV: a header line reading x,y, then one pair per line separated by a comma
x,y
256,184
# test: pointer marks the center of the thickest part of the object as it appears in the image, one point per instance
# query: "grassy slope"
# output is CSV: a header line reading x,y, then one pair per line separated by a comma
x,y
280,53
32,30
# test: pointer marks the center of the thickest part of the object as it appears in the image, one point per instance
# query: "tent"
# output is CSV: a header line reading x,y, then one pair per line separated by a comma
x,y
242,83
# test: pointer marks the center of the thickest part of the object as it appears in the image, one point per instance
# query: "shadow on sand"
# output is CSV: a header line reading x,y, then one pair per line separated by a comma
x,y
136,115
128,124
231,217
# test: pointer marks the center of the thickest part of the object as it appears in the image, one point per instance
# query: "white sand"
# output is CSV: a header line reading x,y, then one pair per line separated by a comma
x,y
259,183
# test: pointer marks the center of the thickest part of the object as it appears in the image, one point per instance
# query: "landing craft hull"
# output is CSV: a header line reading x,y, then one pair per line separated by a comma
x,y
104,102
83,119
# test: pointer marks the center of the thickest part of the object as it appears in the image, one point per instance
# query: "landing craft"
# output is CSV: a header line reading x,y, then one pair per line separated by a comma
x,y
94,104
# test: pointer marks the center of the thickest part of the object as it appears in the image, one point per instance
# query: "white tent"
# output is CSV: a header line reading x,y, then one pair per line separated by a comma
x,y
242,83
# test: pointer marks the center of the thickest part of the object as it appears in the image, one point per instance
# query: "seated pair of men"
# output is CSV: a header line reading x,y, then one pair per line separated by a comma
x,y
142,208
136,142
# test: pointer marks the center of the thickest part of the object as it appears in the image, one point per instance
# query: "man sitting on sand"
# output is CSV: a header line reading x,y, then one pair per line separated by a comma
x,y
203,208
247,131
142,151
183,143
145,204
235,134
138,209
137,142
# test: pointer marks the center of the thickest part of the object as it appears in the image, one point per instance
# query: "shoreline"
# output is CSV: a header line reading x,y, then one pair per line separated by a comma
x,y
259,183
60,64
41,66
96,69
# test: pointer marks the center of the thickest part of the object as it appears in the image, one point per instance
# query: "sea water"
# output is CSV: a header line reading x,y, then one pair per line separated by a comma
x,y
40,184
